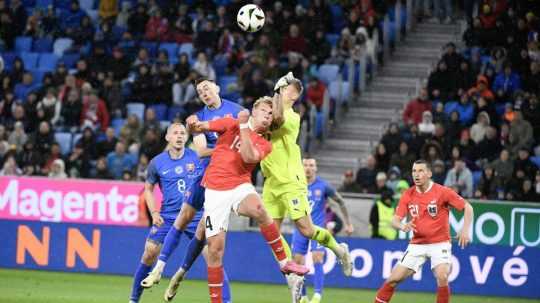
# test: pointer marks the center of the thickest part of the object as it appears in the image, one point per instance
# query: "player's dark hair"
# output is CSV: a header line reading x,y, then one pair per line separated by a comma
x,y
422,161
202,79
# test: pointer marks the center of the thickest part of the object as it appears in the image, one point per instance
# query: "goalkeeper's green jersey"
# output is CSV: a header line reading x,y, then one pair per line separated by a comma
x,y
282,168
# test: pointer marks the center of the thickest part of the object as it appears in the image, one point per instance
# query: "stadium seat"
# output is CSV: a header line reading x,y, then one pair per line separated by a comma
x,y
164,124
30,60
70,60
76,138
339,91
64,139
171,48
9,58
188,49
61,45
44,3
86,5
38,75
160,110
43,45
227,83
175,111
94,15
477,174
151,47
47,62
328,72
536,161
220,65
137,109
23,44
332,39
117,124
62,4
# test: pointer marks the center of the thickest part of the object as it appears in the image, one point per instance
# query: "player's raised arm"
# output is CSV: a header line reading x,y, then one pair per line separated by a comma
x,y
249,153
196,126
201,146
349,228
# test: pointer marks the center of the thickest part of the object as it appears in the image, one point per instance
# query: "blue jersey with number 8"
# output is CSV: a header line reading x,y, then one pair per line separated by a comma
x,y
175,178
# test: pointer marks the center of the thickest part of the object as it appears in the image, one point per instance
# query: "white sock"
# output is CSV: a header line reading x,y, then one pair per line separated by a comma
x,y
160,265
317,295
282,263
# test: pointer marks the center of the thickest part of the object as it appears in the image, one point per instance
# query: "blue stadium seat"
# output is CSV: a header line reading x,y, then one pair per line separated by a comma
x,y
332,39
70,60
328,72
137,109
220,65
339,91
62,4
186,48
38,75
43,45
536,161
117,124
94,15
61,45
23,44
175,111
9,58
171,48
151,47
160,110
44,3
225,83
47,62
164,124
30,60
64,139
86,5
477,174
76,138
450,107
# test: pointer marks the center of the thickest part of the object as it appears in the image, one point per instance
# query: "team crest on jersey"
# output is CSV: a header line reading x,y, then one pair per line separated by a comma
x,y
190,167
178,170
432,208
153,230
318,192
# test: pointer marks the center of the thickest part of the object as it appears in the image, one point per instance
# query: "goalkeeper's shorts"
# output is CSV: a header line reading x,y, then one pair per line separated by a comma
x,y
278,204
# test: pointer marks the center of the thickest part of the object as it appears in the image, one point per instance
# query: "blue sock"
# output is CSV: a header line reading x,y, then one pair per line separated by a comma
x,y
194,249
170,243
226,290
140,274
318,279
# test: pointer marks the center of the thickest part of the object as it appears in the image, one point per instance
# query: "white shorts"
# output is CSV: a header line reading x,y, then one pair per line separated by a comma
x,y
218,205
417,254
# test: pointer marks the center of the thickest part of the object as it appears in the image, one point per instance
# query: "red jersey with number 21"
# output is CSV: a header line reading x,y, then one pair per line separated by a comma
x,y
430,211
227,169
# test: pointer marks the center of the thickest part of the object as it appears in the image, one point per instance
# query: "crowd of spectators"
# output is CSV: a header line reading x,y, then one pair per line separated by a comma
x,y
477,121
120,52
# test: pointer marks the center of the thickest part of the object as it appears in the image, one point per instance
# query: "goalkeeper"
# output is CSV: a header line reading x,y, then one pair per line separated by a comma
x,y
285,186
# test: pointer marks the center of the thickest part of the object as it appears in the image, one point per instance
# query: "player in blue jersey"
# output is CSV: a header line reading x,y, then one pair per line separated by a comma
x,y
319,192
174,170
204,143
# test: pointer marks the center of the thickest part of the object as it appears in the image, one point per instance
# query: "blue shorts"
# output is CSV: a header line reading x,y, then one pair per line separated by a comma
x,y
300,244
157,234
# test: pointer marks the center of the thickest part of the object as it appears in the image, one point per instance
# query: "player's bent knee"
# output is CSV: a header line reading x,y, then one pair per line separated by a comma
x,y
150,254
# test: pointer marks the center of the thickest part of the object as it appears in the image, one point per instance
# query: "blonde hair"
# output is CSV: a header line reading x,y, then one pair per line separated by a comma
x,y
264,100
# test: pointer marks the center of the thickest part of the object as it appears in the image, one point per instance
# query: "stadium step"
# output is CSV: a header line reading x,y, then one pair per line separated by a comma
x,y
355,136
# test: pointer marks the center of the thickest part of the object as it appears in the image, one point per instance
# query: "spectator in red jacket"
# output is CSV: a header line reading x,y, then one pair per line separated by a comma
x,y
481,89
156,27
414,109
294,41
315,93
95,113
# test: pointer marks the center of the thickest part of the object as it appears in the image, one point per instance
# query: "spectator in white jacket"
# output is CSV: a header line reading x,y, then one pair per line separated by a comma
x,y
479,129
460,179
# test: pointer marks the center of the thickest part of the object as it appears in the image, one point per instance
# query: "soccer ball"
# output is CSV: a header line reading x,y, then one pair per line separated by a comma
x,y
250,18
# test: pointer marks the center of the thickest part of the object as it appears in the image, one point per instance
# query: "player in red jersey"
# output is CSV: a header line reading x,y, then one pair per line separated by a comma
x,y
240,146
428,205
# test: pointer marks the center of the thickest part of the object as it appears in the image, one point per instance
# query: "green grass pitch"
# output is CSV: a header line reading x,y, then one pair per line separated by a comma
x,y
53,287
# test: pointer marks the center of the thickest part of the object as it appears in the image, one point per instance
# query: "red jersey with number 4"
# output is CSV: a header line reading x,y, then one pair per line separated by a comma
x,y
227,169
430,211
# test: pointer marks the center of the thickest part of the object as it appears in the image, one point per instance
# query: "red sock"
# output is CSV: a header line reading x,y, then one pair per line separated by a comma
x,y
443,294
385,293
271,233
215,284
